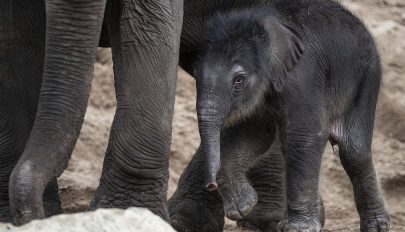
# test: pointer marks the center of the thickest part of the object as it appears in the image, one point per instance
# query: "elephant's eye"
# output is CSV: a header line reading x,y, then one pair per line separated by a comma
x,y
239,79
239,83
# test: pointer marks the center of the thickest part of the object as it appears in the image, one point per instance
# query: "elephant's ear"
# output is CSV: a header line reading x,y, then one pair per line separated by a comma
x,y
284,52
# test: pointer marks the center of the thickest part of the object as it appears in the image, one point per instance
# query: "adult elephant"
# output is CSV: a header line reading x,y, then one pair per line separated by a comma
x,y
47,51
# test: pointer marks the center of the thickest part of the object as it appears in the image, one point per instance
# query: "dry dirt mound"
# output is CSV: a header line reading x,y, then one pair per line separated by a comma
x,y
386,20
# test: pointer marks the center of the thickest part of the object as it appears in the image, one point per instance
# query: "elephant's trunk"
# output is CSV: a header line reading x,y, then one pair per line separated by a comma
x,y
210,122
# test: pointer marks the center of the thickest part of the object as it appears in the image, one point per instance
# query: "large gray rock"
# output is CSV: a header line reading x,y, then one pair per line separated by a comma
x,y
108,220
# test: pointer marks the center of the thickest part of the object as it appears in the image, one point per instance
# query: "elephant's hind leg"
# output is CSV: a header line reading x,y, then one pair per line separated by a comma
x,y
356,157
192,208
268,179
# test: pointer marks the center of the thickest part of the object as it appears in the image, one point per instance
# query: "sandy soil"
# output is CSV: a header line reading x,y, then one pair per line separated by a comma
x,y
386,20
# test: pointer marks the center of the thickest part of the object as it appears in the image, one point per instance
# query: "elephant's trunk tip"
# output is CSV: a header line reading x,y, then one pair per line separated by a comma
x,y
211,186
213,166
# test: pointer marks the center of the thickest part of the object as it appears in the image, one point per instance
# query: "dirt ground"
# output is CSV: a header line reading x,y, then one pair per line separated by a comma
x,y
385,19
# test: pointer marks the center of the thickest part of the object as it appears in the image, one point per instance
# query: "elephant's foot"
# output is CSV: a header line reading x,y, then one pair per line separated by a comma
x,y
25,193
376,221
190,215
239,199
28,202
113,196
123,186
192,208
28,213
305,223
253,224
300,224
267,215
262,218
51,206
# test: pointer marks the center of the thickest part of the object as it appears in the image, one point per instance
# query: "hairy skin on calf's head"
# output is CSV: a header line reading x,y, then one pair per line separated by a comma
x,y
246,58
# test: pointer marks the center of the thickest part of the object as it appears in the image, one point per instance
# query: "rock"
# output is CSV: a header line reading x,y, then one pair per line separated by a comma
x,y
108,220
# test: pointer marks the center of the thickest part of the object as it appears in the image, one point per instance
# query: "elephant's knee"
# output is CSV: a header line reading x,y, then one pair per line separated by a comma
x,y
356,160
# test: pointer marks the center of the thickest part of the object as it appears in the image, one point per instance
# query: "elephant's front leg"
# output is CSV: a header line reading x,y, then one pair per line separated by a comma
x,y
193,207
241,145
303,140
145,39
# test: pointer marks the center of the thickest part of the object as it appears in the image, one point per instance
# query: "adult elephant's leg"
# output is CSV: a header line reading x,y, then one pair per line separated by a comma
x,y
267,176
52,204
145,39
72,34
192,207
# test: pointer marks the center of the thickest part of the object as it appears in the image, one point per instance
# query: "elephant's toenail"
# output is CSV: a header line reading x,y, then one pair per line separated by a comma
x,y
233,215
245,210
292,230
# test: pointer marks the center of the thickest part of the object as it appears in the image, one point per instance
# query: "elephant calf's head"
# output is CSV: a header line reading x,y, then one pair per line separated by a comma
x,y
247,54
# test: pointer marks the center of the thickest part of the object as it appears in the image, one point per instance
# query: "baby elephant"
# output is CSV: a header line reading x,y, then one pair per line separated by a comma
x,y
312,67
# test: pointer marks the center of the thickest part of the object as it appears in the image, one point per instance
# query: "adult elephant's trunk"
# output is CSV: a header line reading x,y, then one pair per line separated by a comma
x,y
72,34
210,121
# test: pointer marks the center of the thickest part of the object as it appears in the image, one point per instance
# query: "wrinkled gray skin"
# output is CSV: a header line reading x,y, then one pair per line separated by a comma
x,y
38,129
251,180
313,69
193,208
44,92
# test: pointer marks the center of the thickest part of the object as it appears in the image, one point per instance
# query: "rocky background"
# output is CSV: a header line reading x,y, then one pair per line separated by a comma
x,y
385,19
101,220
